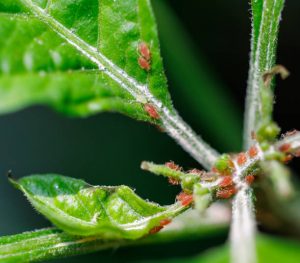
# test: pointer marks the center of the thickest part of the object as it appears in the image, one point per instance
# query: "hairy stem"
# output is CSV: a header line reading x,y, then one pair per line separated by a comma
x,y
170,120
266,15
52,243
259,101
243,228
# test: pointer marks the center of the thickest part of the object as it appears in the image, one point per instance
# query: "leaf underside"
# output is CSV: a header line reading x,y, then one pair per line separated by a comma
x,y
40,66
85,210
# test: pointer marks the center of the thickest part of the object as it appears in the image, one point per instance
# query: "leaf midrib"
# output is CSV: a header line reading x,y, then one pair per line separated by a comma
x,y
169,119
103,63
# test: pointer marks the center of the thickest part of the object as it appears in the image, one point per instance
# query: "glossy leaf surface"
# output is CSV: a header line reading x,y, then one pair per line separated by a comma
x,y
85,210
80,57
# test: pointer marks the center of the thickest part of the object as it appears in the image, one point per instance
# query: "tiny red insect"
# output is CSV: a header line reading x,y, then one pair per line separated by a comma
x,y
144,51
173,166
209,177
144,63
226,181
253,151
165,222
173,181
196,171
249,179
150,109
226,193
285,147
155,229
241,159
185,199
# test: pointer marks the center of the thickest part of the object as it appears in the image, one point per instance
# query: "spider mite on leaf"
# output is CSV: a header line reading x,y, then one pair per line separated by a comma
x,y
162,224
173,166
241,159
249,179
185,199
151,110
226,181
165,222
155,229
226,193
253,151
173,181
144,63
285,147
144,51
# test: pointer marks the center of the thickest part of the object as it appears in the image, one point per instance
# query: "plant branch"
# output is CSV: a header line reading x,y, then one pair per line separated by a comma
x,y
259,102
51,243
243,228
170,120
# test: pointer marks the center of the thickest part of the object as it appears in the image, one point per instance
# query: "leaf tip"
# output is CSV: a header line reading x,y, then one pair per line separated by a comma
x,y
11,178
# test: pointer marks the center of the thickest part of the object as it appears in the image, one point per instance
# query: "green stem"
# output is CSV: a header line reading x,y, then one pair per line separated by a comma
x,y
52,243
171,121
259,102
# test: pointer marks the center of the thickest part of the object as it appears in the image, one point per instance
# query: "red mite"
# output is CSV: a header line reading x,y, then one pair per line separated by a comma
x,y
150,109
226,193
285,147
185,199
155,229
144,63
241,159
162,224
249,179
226,181
165,222
195,171
253,151
173,181
144,51
173,166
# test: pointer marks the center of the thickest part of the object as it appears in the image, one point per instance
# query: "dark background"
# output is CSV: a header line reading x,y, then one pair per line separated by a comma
x,y
108,148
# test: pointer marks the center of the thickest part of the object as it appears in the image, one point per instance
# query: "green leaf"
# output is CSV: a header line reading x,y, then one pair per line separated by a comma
x,y
48,51
79,57
266,15
85,210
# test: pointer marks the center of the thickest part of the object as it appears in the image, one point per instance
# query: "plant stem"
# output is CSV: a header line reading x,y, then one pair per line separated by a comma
x,y
52,243
266,15
259,104
243,228
170,120
192,82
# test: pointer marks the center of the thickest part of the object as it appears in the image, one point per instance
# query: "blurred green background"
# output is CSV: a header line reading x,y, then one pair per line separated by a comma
x,y
200,40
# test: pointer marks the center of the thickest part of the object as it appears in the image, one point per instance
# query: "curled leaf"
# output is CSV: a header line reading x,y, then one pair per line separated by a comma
x,y
81,209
